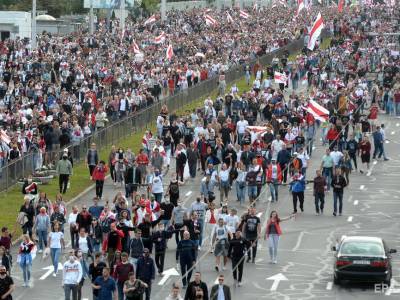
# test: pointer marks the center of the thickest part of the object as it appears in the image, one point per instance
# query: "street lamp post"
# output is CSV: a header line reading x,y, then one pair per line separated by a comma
x,y
33,25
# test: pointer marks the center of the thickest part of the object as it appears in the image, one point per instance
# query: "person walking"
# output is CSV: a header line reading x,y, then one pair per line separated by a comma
x,y
26,249
64,171
96,270
365,152
327,167
241,183
92,159
174,295
42,227
6,284
220,240
56,244
146,271
106,286
237,252
338,185
134,288
186,253
272,234
252,231
121,274
220,290
72,275
297,187
352,148
99,175
319,192
194,286
274,179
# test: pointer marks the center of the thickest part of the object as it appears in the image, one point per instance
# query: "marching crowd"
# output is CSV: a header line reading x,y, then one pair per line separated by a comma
x,y
235,145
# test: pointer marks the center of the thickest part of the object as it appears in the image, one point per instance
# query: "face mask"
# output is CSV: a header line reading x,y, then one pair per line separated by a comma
x,y
157,173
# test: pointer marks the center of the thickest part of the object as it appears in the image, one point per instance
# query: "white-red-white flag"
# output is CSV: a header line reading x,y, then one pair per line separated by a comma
x,y
244,14
135,48
229,18
280,77
319,112
255,6
210,21
161,38
300,6
4,137
150,20
341,5
315,32
170,52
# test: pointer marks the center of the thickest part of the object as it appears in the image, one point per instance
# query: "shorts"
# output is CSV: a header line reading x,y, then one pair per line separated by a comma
x,y
221,248
365,158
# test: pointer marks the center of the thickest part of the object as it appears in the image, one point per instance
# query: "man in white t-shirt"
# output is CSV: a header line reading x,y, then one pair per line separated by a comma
x,y
241,126
304,157
232,220
276,146
336,156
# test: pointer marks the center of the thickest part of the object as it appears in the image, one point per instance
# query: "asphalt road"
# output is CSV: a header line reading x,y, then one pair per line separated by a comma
x,y
305,261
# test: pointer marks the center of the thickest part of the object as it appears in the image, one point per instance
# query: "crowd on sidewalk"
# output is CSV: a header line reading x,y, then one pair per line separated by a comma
x,y
240,147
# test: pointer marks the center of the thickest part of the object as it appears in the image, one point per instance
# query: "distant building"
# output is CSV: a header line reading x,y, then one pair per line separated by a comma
x,y
15,24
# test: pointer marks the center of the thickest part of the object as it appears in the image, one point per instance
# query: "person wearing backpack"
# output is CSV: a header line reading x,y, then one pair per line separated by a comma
x,y
134,288
220,240
297,187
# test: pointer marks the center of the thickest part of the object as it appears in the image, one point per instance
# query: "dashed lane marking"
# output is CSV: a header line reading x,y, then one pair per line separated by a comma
x,y
349,219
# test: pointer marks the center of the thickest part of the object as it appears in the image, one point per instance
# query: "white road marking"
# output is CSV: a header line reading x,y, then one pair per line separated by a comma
x,y
296,247
349,219
393,132
397,124
355,202
188,193
276,278
375,162
166,274
387,142
50,269
362,187
357,226
329,285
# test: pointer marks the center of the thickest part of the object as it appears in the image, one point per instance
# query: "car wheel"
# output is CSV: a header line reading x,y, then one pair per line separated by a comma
x,y
336,280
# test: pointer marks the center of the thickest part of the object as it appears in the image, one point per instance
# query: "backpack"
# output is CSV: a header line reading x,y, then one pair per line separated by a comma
x,y
106,225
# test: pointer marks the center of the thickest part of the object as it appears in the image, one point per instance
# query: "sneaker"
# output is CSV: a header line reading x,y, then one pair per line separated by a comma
x,y
386,159
334,214
253,261
239,283
217,268
177,266
40,251
302,209
54,275
317,213
223,268
199,248
275,262
340,214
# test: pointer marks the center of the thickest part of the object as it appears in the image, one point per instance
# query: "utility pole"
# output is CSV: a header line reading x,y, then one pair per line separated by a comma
x,y
163,10
33,25
91,18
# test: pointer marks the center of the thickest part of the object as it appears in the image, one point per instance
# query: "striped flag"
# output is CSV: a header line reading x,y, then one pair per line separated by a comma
x,y
4,137
319,112
161,38
341,5
257,129
170,52
135,48
229,18
300,6
210,21
244,14
280,77
315,32
150,20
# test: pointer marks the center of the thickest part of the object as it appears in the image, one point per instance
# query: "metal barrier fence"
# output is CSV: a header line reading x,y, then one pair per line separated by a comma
x,y
13,171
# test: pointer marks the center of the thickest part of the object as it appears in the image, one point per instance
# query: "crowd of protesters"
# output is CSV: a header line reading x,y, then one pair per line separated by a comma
x,y
238,143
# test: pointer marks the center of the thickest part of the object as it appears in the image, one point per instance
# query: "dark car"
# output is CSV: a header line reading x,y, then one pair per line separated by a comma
x,y
362,259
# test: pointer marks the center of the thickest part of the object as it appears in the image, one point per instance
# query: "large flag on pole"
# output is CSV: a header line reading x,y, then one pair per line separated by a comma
x,y
315,32
135,48
150,20
319,112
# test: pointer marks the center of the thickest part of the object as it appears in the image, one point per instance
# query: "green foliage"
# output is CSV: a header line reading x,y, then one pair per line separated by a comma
x,y
150,6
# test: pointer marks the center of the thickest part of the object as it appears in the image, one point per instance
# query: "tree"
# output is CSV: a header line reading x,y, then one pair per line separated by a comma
x,y
150,6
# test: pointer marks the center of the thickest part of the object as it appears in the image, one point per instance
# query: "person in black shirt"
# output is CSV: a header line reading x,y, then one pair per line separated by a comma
x,y
29,211
6,284
194,286
237,251
226,134
96,270
352,148
251,231
145,228
160,238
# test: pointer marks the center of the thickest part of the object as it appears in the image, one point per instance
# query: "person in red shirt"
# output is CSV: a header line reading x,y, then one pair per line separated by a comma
x,y
365,151
121,274
142,160
274,178
113,242
99,175
332,136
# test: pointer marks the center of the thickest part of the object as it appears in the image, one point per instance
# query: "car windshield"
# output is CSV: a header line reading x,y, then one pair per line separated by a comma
x,y
362,248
